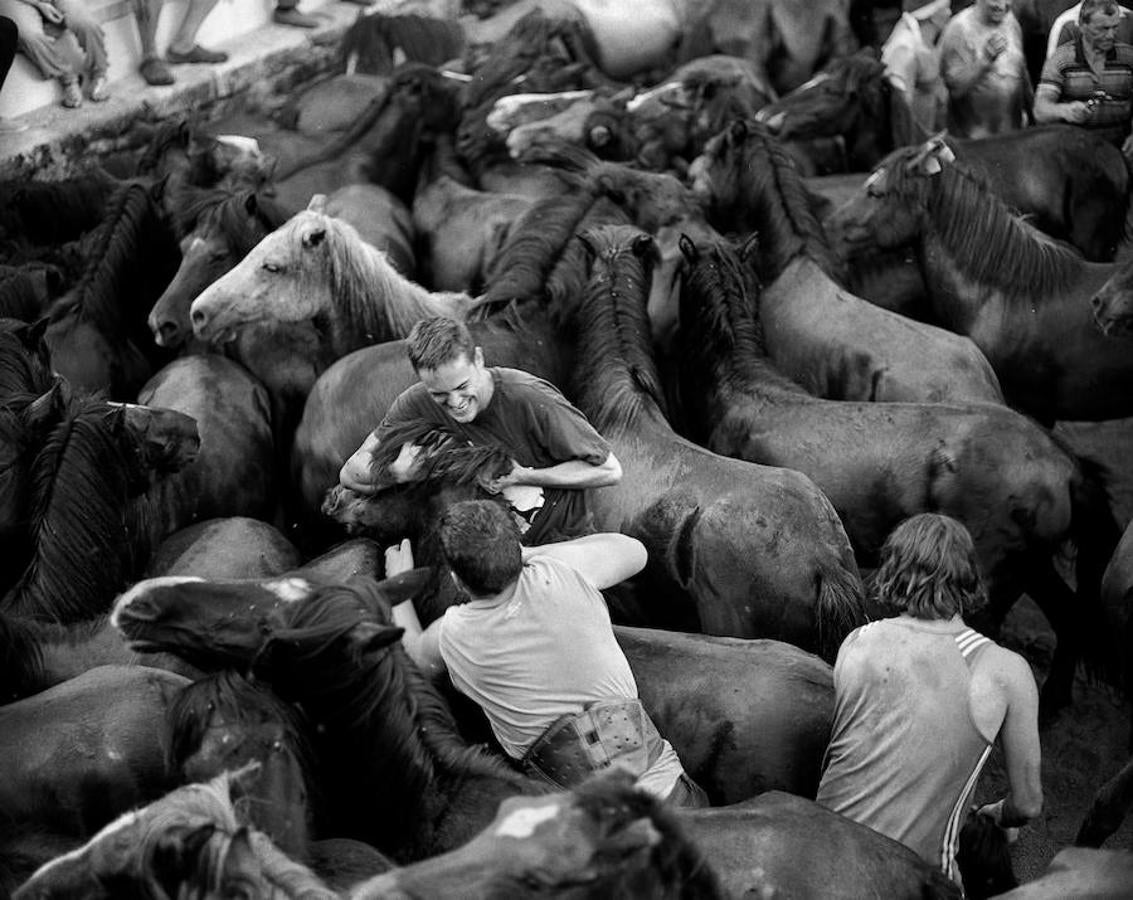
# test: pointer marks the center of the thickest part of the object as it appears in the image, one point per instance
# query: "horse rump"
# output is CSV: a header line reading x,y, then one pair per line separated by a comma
x,y
842,607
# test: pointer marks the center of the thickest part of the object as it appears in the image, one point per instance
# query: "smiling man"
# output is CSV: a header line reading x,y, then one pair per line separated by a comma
x,y
554,447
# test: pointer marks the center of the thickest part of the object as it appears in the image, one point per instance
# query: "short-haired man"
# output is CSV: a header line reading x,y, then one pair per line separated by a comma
x,y
1089,82
919,699
982,62
535,649
554,447
1065,29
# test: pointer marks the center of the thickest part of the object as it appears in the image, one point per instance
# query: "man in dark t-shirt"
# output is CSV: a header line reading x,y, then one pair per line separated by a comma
x,y
556,450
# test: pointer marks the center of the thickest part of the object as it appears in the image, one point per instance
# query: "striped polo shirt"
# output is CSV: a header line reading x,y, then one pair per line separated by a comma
x,y
1067,70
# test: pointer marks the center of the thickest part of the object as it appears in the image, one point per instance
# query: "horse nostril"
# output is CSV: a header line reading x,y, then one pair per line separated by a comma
x,y
198,318
1096,303
167,334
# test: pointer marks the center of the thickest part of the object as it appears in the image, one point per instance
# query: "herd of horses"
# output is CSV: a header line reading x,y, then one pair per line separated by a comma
x,y
203,693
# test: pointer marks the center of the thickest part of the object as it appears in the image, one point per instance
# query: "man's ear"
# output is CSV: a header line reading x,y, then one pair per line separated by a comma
x,y
478,357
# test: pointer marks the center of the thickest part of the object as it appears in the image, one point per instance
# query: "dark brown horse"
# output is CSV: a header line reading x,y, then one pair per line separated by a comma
x,y
1023,299
738,549
1017,491
1072,184
833,343
97,331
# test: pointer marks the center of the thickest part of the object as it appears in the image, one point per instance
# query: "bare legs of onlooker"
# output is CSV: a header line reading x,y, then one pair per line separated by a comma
x,y
32,20
182,49
9,36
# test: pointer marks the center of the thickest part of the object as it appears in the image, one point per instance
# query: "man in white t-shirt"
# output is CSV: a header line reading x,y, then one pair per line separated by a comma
x,y
534,647
912,60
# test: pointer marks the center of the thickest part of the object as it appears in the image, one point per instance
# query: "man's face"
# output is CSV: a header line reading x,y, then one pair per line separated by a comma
x,y
1100,31
460,386
993,11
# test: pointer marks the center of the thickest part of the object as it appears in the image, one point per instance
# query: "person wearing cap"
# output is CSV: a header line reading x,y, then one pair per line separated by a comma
x,y
1065,29
982,62
1089,82
912,60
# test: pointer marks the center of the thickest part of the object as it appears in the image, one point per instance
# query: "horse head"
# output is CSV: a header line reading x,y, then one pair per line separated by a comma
x,y
1112,305
604,834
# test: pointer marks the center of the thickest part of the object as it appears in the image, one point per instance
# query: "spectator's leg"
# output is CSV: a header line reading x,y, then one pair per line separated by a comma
x,y
91,38
287,13
153,70
184,48
34,42
9,37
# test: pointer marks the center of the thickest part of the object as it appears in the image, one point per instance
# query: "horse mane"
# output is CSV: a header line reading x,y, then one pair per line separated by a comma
x,y
533,246
21,659
718,329
226,209
677,865
21,369
411,736
188,717
131,240
369,293
445,458
20,297
986,241
82,480
775,191
615,376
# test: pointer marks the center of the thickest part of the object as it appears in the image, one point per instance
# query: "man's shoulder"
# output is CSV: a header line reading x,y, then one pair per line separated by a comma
x,y
1123,52
1063,55
520,384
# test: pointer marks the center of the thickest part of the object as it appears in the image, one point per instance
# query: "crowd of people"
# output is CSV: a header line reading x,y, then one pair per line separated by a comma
x,y
967,72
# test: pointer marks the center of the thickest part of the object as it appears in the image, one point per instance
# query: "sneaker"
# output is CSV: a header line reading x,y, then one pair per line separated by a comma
x,y
7,126
99,93
195,54
72,95
294,18
155,72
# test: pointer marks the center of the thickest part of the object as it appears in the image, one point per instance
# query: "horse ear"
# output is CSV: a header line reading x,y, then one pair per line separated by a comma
x,y
591,250
688,248
314,237
368,637
604,185
252,204
44,411
318,204
738,130
749,246
173,858
32,336
644,247
399,588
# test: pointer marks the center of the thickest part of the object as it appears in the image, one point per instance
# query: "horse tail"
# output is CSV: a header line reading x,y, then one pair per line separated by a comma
x,y
1096,534
842,607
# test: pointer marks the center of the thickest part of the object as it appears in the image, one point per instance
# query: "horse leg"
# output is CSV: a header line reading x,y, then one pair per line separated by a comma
x,y
1110,805
1056,601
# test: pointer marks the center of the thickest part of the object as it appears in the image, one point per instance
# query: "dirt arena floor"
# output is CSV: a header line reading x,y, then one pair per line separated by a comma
x,y
1088,743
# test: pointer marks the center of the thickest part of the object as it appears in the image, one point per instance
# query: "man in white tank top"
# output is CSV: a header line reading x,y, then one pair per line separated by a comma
x,y
920,698
535,649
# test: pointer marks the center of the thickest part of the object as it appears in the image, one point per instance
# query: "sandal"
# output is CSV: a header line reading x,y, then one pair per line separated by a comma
x,y
155,72
196,54
72,95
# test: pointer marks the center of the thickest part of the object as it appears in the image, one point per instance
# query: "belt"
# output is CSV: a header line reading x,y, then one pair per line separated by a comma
x,y
604,734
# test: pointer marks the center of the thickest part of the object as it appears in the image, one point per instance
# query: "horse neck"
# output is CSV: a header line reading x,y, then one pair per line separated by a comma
x,y
974,251
406,754
781,213
375,303
70,650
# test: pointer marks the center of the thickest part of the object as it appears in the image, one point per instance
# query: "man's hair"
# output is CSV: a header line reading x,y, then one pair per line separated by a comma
x,y
929,570
480,543
1089,7
438,340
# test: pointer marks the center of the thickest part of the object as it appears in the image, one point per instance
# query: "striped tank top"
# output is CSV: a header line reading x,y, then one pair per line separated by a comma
x,y
904,754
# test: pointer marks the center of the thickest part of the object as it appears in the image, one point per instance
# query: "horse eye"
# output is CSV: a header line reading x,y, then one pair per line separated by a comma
x,y
277,746
274,268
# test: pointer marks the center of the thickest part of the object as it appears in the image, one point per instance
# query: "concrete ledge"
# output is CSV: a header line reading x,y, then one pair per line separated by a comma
x,y
265,61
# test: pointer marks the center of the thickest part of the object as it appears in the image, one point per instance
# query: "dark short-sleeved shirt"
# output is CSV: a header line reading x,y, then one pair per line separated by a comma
x,y
530,419
1067,70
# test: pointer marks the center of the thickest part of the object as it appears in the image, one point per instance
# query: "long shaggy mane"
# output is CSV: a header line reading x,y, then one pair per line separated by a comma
x,y
224,210
616,377
985,239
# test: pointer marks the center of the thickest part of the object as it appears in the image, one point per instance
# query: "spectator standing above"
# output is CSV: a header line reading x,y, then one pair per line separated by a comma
x,y
912,60
555,448
183,49
41,23
1065,28
920,698
9,40
534,647
1089,81
981,59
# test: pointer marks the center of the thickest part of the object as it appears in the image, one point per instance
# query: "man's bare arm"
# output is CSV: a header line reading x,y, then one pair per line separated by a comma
x,y
603,559
575,473
355,472
1021,750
